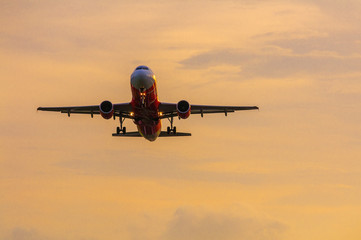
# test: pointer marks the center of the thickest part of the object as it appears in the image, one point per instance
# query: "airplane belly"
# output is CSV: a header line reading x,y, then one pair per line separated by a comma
x,y
150,131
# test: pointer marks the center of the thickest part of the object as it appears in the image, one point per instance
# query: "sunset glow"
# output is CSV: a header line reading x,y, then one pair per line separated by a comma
x,y
288,171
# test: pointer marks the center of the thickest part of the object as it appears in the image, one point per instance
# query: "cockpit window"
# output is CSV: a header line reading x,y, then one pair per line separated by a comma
x,y
142,67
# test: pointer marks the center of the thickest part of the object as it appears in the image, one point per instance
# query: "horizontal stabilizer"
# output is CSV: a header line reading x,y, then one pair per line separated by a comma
x,y
128,134
162,134
178,134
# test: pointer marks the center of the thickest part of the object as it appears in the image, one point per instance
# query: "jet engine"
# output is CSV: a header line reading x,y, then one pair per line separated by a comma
x,y
106,109
183,109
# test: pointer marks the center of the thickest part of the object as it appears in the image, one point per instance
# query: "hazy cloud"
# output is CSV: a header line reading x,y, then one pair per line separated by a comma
x,y
348,11
344,44
26,234
160,168
276,65
314,50
188,223
32,234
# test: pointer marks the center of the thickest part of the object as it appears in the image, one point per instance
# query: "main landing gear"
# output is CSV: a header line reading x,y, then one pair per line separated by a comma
x,y
171,129
121,128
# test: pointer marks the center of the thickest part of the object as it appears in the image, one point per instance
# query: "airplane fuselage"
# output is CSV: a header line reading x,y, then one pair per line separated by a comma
x,y
145,102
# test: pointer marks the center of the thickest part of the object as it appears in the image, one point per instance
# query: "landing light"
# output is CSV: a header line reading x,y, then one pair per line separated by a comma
x,y
132,114
160,114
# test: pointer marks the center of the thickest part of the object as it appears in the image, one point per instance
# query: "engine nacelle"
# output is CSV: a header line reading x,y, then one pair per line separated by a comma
x,y
183,109
106,109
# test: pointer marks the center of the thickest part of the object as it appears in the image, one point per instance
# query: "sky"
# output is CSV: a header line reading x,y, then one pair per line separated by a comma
x,y
289,171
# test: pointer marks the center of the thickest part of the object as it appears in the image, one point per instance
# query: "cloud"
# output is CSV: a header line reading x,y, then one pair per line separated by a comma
x,y
26,234
344,44
338,9
32,234
317,49
190,223
279,64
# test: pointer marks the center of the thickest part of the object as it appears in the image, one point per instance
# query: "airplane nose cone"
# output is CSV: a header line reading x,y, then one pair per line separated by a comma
x,y
142,80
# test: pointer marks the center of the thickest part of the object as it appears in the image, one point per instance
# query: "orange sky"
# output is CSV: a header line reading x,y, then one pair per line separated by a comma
x,y
289,171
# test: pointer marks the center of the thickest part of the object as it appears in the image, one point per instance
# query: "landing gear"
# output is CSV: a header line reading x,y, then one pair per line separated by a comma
x,y
121,128
124,130
171,129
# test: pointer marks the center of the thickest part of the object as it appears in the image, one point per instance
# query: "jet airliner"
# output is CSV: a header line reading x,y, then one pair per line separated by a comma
x,y
145,109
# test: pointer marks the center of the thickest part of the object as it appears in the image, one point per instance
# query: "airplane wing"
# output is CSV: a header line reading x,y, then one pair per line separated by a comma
x,y
170,109
120,109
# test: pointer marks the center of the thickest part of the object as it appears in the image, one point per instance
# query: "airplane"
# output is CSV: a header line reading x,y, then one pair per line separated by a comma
x,y
145,109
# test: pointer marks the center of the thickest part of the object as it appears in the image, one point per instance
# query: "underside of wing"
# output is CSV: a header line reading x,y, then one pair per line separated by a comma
x,y
199,109
120,109
170,109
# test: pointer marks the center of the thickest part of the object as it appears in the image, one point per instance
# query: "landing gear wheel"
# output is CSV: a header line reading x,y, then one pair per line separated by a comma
x,y
124,130
118,130
174,130
168,130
